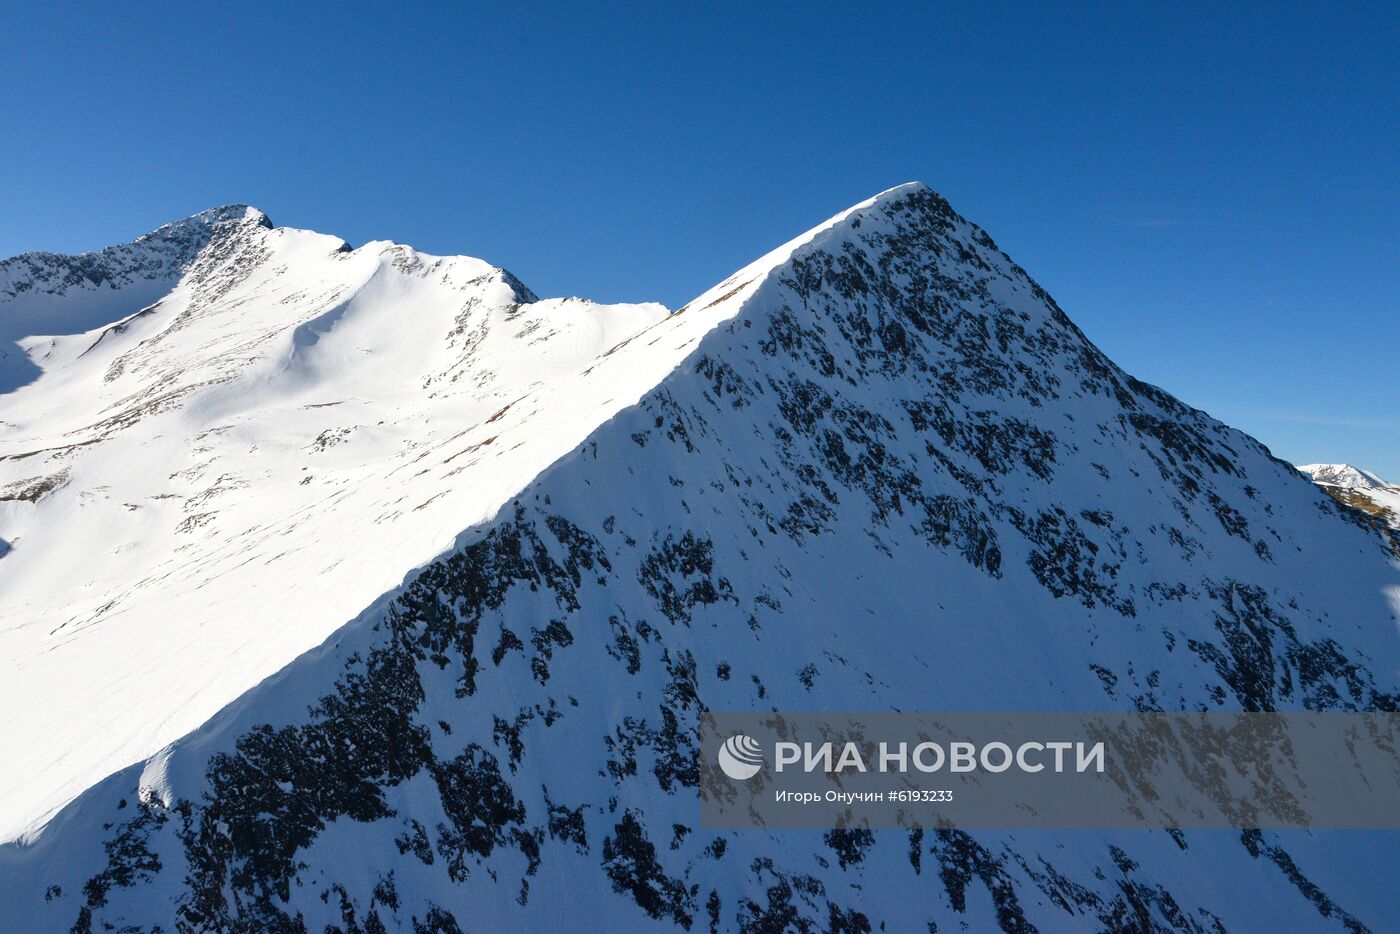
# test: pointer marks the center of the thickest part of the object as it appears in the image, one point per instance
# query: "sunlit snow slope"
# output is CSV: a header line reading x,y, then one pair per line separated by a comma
x,y
222,441
1359,489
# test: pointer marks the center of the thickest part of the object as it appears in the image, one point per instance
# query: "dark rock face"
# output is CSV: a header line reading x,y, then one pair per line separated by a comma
x,y
900,478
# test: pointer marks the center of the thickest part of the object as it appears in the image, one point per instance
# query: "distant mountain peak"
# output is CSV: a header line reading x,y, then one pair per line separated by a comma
x,y
1344,475
58,293
227,213
1361,490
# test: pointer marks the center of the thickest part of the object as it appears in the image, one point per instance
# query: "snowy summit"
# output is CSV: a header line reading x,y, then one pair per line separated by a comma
x,y
1359,489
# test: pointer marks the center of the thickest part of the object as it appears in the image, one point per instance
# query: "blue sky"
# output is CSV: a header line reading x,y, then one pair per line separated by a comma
x,y
1212,194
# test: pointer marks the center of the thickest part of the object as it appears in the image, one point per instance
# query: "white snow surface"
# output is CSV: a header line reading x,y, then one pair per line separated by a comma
x,y
876,469
212,469
1359,488
1345,475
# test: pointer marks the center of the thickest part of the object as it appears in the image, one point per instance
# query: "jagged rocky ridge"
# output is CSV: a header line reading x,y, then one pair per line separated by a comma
x,y
160,256
45,293
895,475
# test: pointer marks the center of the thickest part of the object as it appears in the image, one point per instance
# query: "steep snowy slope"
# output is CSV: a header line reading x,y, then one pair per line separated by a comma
x,y
49,293
1359,489
238,437
890,474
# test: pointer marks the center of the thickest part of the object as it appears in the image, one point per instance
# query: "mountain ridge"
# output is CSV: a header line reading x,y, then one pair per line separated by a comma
x,y
159,253
1345,475
199,364
889,474
1361,490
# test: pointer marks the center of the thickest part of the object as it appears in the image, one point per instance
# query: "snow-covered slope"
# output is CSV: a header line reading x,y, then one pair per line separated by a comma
x,y
1359,489
877,469
50,293
1344,475
236,437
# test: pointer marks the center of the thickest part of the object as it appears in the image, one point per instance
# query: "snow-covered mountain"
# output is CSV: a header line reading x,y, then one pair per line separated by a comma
x,y
878,468
1344,475
239,437
1359,489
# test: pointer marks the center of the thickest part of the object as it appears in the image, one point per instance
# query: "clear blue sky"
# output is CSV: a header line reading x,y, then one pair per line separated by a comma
x,y
1211,192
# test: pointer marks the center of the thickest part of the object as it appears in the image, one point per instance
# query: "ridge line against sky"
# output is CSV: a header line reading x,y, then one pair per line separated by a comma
x,y
1210,194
